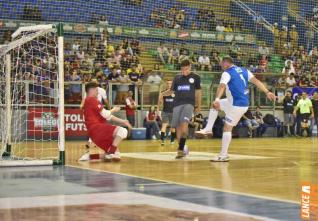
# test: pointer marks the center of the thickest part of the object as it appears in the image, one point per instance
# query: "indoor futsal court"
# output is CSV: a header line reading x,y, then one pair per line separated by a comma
x,y
158,110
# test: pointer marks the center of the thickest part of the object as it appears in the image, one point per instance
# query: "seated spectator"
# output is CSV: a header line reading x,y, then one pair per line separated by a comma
x,y
304,81
184,50
183,56
259,119
290,81
263,50
263,63
163,53
76,45
110,50
154,81
252,62
215,61
250,122
135,46
194,61
130,108
196,123
220,27
80,54
75,88
204,63
234,50
281,83
288,66
151,123
103,20
228,28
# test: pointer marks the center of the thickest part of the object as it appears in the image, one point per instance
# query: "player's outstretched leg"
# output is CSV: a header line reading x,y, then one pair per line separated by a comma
x,y
207,131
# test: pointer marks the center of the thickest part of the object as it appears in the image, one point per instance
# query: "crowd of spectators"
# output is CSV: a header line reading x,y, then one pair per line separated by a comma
x,y
173,18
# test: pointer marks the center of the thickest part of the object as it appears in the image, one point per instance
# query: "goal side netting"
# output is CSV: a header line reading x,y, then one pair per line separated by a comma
x,y
32,97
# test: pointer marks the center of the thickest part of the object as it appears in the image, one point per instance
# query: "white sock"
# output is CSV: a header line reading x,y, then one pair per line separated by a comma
x,y
226,140
89,140
213,114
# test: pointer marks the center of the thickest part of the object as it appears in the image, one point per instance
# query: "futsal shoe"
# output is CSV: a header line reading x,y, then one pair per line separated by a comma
x,y
85,157
162,142
182,153
116,157
203,134
221,159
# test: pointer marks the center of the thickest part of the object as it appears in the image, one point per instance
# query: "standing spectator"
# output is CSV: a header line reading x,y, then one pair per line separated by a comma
x,y
204,63
175,53
75,88
163,53
283,37
259,119
134,76
258,20
154,80
306,111
293,35
290,82
113,77
250,122
130,108
289,120
310,36
276,38
123,88
151,123
314,102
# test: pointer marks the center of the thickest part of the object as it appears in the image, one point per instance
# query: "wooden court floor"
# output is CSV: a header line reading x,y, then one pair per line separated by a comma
x,y
264,167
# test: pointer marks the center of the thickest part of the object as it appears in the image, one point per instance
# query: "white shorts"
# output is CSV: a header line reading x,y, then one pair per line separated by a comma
x,y
233,114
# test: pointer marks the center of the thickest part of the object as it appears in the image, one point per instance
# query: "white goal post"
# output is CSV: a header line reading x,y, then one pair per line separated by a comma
x,y
32,97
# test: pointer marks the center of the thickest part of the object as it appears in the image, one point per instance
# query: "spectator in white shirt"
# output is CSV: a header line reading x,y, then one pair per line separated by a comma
x,y
163,53
288,66
290,82
204,63
154,81
123,88
220,27
263,50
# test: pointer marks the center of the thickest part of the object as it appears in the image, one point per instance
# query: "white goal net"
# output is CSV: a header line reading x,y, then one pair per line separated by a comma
x,y
32,97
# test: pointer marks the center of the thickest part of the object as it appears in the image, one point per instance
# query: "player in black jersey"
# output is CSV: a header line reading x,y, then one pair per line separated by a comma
x,y
167,103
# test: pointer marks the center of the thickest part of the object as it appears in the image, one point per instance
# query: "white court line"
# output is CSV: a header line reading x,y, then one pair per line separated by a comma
x,y
114,198
190,185
193,156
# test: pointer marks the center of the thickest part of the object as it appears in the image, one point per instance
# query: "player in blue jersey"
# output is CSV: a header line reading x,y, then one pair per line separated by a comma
x,y
234,81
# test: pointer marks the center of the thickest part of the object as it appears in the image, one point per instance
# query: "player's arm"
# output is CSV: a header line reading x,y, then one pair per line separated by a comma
x,y
261,86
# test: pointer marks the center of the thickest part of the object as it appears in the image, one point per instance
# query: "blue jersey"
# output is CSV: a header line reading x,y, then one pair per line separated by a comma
x,y
236,80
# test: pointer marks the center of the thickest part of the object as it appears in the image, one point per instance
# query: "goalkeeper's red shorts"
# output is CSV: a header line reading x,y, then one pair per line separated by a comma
x,y
102,135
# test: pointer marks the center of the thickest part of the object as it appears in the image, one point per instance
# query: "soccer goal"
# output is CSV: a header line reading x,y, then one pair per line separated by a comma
x,y
32,97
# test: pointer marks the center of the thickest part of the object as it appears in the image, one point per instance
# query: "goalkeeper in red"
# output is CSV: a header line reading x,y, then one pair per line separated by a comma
x,y
106,136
